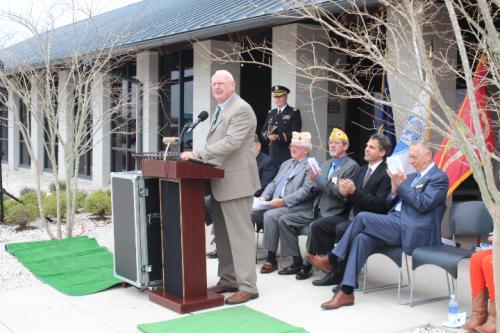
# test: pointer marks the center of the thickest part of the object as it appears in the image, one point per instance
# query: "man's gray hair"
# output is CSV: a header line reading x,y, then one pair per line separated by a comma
x,y
225,73
425,146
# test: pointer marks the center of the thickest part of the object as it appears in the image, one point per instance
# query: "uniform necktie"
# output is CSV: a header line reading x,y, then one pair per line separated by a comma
x,y
367,176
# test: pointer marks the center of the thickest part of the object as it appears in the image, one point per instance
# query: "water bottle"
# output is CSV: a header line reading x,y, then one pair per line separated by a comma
x,y
453,310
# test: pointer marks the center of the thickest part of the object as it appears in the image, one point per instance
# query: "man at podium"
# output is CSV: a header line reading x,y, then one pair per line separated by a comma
x,y
229,143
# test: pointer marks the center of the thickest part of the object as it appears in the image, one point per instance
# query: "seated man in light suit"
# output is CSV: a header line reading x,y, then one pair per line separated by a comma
x,y
417,207
329,202
289,191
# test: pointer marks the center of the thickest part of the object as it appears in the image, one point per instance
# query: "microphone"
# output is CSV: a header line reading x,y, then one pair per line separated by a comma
x,y
201,117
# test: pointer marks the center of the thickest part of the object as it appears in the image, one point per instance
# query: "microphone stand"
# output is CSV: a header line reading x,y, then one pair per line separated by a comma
x,y
181,143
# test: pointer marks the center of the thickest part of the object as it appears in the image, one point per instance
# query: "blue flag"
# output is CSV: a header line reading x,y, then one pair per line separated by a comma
x,y
384,120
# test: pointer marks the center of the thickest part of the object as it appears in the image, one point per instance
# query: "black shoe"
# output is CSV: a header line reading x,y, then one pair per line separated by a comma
x,y
290,270
329,280
304,273
212,255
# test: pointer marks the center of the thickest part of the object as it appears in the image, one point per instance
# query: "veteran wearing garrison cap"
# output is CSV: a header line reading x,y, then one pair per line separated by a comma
x,y
279,125
289,191
328,202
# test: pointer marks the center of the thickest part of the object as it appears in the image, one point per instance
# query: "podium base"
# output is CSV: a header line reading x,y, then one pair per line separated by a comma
x,y
181,306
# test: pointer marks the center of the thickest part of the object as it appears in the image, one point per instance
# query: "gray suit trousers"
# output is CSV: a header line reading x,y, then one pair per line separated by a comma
x,y
235,237
269,218
366,232
289,226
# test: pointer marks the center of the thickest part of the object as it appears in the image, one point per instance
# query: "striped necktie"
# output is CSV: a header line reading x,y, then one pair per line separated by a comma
x,y
216,116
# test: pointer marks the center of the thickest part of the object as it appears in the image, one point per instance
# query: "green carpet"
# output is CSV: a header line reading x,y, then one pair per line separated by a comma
x,y
240,319
74,266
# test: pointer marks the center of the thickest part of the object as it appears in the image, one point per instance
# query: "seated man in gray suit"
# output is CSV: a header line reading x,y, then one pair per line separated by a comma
x,y
328,202
289,191
417,202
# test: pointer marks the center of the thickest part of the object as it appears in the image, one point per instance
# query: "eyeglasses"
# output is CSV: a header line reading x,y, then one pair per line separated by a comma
x,y
216,84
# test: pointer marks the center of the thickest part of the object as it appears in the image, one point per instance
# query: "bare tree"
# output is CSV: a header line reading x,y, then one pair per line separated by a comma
x,y
396,38
57,91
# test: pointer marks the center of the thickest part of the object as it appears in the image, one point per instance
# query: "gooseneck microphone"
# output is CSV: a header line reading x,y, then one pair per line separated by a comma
x,y
201,117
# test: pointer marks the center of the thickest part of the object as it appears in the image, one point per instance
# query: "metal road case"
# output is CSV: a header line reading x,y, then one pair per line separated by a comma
x,y
136,228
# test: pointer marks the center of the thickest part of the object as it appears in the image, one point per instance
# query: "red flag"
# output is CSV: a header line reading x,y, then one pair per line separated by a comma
x,y
450,159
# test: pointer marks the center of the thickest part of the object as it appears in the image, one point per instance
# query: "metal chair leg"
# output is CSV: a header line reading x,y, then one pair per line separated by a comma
x,y
412,283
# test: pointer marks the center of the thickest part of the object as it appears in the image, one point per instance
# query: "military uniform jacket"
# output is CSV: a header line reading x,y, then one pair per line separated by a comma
x,y
283,124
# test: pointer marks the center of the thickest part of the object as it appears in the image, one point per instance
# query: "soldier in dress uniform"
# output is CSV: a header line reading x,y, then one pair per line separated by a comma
x,y
279,125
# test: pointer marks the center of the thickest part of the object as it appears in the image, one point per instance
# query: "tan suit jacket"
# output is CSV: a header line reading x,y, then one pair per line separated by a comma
x,y
229,145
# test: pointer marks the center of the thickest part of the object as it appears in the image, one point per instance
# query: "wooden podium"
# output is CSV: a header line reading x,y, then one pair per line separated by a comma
x,y
182,208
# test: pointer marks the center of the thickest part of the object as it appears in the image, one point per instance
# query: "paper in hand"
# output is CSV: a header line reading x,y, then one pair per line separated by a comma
x,y
313,164
399,163
260,205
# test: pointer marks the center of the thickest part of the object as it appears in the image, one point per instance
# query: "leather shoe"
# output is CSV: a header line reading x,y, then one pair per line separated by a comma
x,y
338,300
304,273
219,289
268,267
320,262
290,270
241,297
328,280
212,254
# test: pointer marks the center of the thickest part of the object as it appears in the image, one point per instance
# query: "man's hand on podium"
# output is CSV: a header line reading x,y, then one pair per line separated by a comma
x,y
189,154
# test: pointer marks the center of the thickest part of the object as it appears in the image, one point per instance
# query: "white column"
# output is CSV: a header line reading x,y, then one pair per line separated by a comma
x,y
101,140
65,114
147,73
400,51
203,69
13,130
313,102
37,124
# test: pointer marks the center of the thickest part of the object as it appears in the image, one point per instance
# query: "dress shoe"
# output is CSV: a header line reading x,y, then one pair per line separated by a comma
x,y
220,288
320,261
304,273
329,279
338,300
268,267
290,270
212,254
241,297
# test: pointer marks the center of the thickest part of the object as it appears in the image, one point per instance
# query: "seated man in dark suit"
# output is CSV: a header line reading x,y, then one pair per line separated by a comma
x,y
367,192
267,170
417,202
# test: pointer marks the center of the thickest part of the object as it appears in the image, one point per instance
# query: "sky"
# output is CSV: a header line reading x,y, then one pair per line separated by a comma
x,y
48,13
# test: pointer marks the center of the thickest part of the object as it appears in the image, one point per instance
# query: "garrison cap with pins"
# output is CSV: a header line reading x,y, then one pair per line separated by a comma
x,y
301,137
338,134
279,91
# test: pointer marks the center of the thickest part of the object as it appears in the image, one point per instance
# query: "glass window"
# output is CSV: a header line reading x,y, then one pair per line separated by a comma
x,y
126,97
176,95
24,156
